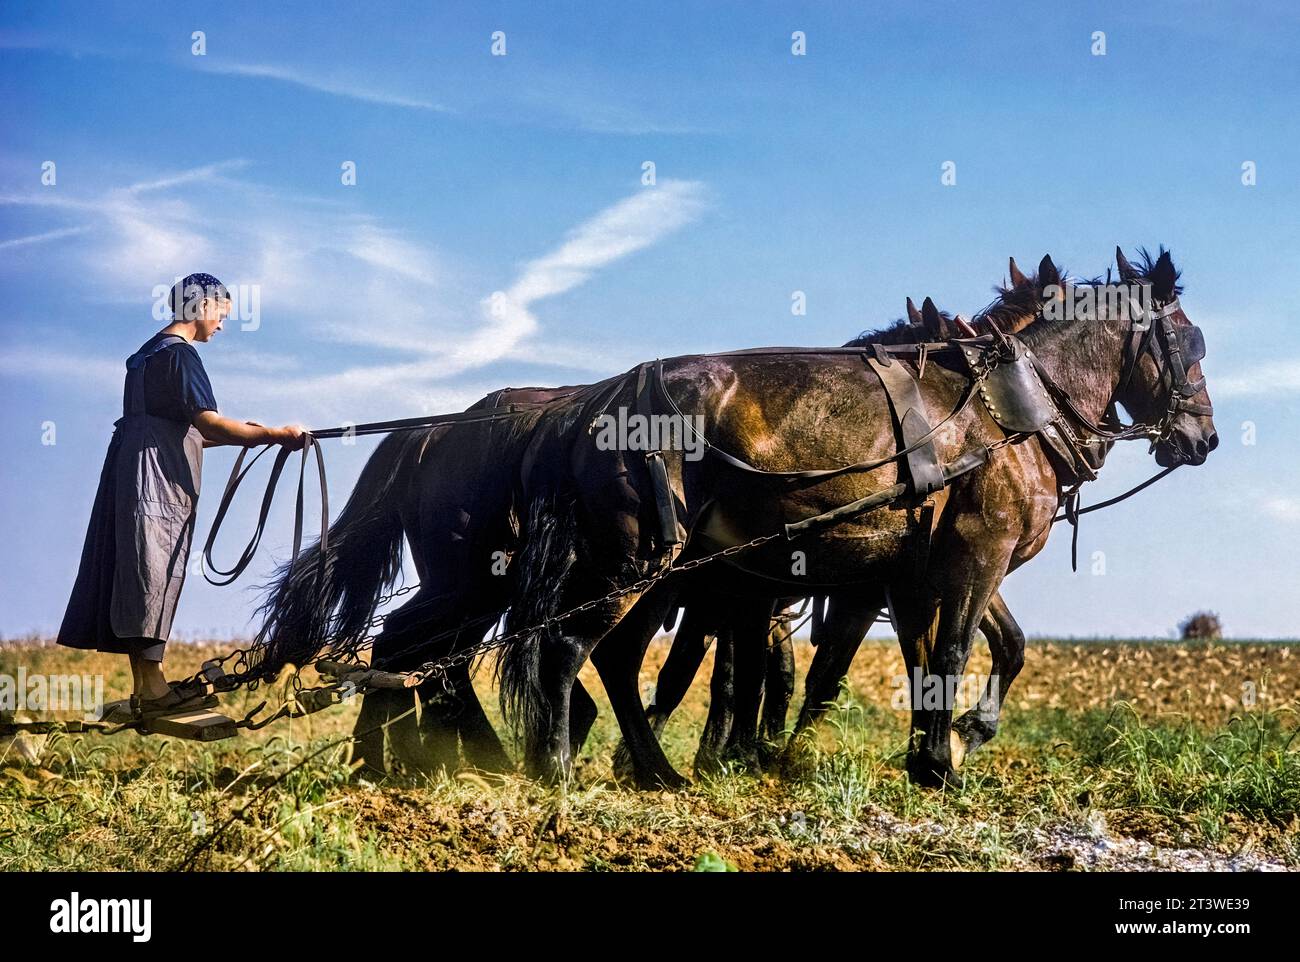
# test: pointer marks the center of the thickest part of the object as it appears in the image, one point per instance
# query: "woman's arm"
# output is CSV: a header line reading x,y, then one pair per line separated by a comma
x,y
217,429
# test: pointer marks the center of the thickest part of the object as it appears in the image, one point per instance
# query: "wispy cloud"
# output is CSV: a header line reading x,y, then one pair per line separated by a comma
x,y
1271,377
337,275
618,231
145,238
385,250
322,85
208,172
97,372
1282,509
48,235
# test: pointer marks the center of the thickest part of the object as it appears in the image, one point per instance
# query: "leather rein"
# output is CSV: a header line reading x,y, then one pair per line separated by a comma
x,y
1172,359
310,443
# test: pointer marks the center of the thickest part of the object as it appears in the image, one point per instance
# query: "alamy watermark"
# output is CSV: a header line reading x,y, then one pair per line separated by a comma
x,y
929,692
1129,302
245,303
75,915
39,692
650,432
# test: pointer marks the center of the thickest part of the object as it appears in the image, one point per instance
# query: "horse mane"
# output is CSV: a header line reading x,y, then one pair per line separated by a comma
x,y
1147,263
900,331
1014,302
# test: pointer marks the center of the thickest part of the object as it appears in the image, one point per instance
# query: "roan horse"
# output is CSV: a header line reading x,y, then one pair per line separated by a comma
x,y
591,526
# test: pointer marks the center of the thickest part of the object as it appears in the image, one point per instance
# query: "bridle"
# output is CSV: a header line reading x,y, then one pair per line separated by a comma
x,y
1174,350
1181,347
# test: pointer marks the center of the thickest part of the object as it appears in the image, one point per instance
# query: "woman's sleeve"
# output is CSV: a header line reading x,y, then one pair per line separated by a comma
x,y
192,382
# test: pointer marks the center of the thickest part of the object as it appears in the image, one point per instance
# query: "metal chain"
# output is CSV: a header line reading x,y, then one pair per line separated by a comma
x,y
442,665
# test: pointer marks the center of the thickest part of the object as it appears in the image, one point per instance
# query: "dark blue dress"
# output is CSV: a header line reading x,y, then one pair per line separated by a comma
x,y
142,523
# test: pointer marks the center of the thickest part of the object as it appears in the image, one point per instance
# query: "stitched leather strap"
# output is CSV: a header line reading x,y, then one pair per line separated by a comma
x,y
909,411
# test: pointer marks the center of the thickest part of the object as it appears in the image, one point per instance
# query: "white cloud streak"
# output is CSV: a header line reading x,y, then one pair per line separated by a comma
x,y
618,231
1270,378
207,172
321,85
49,235
342,277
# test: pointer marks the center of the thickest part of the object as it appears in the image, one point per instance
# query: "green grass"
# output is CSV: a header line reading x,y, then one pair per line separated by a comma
x,y
275,801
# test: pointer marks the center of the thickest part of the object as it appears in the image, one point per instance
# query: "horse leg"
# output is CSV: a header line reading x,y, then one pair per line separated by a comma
x,y
548,754
582,715
778,682
406,733
690,644
938,623
466,718
847,621
1007,646
751,623
368,741
618,659
373,733
722,694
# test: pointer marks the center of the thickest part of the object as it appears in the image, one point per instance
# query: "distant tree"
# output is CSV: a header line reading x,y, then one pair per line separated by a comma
x,y
1202,626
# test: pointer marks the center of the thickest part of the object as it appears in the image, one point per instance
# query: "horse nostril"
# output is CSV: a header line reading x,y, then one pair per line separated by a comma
x,y
1214,440
1202,449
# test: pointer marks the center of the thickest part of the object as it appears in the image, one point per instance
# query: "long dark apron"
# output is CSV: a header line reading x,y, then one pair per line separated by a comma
x,y
141,525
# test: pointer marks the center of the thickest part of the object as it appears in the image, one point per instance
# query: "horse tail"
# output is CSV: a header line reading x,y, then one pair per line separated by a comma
x,y
310,605
548,556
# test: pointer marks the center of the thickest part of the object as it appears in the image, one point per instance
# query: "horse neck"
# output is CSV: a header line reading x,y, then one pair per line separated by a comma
x,y
1084,357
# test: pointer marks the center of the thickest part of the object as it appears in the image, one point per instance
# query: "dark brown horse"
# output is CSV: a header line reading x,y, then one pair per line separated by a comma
x,y
789,411
740,680
747,673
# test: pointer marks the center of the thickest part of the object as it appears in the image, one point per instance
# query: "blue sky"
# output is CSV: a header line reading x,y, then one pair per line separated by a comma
x,y
522,173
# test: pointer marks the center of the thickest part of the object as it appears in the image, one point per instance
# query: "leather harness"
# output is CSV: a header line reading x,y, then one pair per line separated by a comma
x,y
1017,391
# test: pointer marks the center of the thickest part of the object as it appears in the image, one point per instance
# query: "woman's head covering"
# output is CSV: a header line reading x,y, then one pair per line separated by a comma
x,y
187,294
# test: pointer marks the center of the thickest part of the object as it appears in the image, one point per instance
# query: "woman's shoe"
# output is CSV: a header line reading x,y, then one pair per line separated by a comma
x,y
176,700
117,712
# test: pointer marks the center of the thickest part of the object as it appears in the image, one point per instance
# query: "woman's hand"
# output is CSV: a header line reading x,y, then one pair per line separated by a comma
x,y
292,436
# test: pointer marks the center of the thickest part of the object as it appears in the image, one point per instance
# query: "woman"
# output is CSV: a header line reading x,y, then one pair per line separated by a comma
x,y
141,526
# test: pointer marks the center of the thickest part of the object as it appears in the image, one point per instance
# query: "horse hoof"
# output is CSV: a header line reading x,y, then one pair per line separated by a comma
x,y
548,771
930,775
956,748
669,780
974,732
707,765
367,771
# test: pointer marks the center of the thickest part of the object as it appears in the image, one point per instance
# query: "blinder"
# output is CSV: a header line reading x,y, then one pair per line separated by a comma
x,y
1174,350
1191,344
1183,346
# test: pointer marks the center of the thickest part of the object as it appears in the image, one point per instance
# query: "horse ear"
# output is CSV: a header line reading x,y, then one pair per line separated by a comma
x,y
1048,276
1163,277
933,322
1127,271
1018,279
913,315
